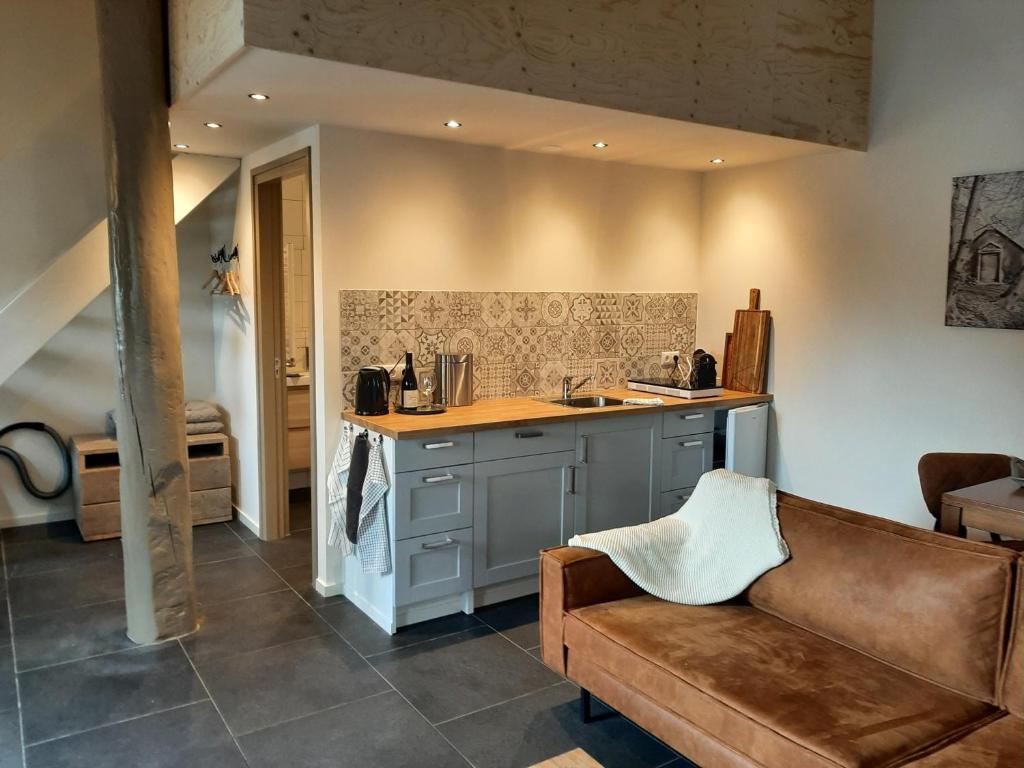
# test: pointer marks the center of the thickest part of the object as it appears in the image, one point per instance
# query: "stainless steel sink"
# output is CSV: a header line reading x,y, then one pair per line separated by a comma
x,y
586,401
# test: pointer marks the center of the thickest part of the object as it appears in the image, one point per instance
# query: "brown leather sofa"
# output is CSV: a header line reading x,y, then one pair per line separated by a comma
x,y
876,644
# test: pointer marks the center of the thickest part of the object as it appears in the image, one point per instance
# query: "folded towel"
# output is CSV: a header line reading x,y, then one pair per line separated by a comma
x,y
201,410
643,401
356,478
722,539
203,427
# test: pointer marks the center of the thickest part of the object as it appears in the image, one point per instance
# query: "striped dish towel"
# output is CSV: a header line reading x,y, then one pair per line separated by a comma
x,y
337,483
722,539
372,537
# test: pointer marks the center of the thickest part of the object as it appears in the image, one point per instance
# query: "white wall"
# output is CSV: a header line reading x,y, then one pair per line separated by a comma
x,y
850,253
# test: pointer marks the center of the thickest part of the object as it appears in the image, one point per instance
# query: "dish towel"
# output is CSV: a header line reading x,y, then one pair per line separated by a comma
x,y
372,538
710,550
337,493
354,487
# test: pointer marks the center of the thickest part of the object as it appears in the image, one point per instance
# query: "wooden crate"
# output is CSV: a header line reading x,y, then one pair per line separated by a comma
x,y
96,479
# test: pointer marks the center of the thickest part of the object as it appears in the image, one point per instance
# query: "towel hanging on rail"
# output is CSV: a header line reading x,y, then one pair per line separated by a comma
x,y
372,539
337,493
356,478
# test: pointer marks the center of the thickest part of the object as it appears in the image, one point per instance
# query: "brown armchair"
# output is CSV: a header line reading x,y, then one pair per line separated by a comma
x,y
943,472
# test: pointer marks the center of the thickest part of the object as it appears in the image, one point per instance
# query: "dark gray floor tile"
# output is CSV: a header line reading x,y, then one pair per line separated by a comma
x,y
300,578
3,584
10,739
58,636
68,698
5,621
68,588
241,530
296,549
461,673
262,688
251,624
369,639
216,542
382,731
191,736
231,579
54,546
8,687
537,727
518,620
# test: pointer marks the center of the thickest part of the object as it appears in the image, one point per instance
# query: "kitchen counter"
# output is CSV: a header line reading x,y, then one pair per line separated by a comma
x,y
523,411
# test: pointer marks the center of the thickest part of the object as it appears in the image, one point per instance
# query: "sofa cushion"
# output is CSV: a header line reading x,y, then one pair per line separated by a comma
x,y
997,745
777,693
931,604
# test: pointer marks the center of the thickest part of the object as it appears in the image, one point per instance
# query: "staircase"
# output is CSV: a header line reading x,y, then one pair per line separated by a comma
x,y
81,273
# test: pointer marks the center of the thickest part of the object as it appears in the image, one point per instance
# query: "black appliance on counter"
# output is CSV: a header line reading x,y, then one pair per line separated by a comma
x,y
373,387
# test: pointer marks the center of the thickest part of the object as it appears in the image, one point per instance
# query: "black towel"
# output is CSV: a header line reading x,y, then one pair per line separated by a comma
x,y
356,477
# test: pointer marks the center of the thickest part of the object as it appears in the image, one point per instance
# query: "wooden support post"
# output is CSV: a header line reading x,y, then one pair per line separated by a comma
x,y
155,518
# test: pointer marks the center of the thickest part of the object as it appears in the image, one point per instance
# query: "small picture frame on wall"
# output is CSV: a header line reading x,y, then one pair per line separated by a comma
x,y
985,275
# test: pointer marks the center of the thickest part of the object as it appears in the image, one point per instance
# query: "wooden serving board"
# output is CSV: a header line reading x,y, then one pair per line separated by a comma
x,y
748,348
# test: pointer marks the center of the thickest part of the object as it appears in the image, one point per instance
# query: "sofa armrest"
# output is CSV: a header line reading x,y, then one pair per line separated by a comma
x,y
573,577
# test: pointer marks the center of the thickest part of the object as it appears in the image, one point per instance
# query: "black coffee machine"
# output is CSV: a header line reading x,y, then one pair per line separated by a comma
x,y
373,388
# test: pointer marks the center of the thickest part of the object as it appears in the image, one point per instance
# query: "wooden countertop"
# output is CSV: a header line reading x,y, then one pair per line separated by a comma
x,y
523,411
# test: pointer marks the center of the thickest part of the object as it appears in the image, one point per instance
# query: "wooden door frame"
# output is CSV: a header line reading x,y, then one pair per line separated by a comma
x,y
271,378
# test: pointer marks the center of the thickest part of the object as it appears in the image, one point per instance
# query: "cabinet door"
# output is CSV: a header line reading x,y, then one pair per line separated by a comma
x,y
684,460
519,507
671,501
616,481
434,566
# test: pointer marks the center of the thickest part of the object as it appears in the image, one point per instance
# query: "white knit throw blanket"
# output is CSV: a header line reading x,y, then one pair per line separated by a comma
x,y
722,539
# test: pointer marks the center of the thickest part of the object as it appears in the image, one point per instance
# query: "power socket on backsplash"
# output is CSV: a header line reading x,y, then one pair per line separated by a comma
x,y
668,359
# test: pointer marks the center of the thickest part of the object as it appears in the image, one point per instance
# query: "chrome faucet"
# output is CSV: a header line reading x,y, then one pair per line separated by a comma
x,y
568,388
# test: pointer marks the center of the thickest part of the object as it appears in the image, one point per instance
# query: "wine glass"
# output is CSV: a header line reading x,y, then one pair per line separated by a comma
x,y
427,384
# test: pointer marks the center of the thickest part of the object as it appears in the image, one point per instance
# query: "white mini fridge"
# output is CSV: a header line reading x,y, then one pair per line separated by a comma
x,y
746,440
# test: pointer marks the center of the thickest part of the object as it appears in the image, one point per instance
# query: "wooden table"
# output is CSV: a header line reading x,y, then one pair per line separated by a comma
x,y
577,758
996,507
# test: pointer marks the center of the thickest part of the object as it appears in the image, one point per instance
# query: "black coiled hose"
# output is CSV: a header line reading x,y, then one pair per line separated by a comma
x,y
19,463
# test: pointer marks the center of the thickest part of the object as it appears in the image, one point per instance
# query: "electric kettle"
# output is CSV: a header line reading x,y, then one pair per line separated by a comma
x,y
373,386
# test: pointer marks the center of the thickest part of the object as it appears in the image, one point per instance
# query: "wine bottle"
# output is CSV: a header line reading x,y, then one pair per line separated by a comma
x,y
410,389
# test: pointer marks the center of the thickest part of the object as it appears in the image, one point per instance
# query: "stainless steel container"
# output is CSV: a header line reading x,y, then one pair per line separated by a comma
x,y
454,380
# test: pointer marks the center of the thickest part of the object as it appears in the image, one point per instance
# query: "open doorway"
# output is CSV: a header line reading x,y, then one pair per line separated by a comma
x,y
285,354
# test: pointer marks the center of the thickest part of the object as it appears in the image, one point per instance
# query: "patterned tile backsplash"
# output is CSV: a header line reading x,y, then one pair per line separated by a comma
x,y
522,343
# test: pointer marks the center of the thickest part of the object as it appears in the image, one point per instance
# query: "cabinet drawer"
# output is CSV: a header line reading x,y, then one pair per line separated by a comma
x,y
429,567
671,501
524,441
433,500
428,452
684,459
688,422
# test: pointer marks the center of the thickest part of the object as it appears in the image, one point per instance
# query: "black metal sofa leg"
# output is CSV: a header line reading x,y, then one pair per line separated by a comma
x,y
586,713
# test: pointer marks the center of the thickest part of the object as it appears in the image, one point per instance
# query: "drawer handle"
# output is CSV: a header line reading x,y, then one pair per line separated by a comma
x,y
439,478
692,443
683,498
527,435
691,416
448,541
434,446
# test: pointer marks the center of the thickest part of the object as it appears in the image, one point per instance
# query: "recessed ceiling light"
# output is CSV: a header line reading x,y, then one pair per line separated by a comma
x,y
452,124
600,144
716,161
213,125
258,96
181,146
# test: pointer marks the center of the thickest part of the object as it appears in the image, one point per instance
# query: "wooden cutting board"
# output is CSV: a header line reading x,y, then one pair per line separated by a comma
x,y
748,348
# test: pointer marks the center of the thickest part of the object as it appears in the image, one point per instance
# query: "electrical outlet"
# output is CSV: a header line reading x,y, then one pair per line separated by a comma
x,y
668,359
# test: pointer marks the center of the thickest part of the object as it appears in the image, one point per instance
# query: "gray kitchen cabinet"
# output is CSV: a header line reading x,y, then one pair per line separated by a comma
x,y
618,481
433,500
429,567
671,501
520,505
